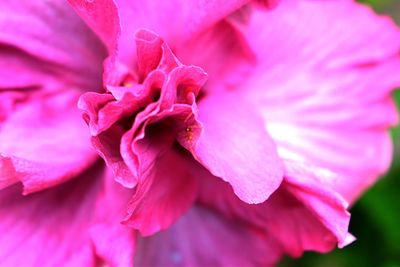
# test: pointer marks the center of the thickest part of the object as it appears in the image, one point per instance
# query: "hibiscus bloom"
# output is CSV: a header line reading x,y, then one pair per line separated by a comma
x,y
231,133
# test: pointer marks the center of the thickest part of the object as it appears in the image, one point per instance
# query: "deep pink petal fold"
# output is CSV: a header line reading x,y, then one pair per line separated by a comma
x,y
20,70
49,228
294,216
162,90
51,32
234,144
167,191
328,206
44,142
321,124
113,242
138,127
204,238
102,17
222,52
268,3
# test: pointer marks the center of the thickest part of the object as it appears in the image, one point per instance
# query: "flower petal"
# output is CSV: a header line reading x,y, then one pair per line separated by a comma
x,y
222,52
49,228
330,33
268,3
337,101
176,16
308,186
114,243
167,191
283,217
19,70
44,142
50,31
102,17
232,134
176,21
203,238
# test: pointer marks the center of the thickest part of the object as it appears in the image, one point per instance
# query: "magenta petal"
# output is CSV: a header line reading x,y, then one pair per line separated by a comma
x,y
294,225
107,144
44,142
114,243
8,173
268,3
329,207
149,51
175,20
337,102
204,238
328,34
165,193
51,31
91,103
283,217
49,228
222,52
19,70
164,96
234,144
102,17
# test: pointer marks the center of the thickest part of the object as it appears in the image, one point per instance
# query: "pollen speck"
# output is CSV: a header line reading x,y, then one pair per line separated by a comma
x,y
189,133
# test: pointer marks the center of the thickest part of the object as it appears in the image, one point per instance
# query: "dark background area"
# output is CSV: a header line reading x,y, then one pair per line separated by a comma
x,y
376,216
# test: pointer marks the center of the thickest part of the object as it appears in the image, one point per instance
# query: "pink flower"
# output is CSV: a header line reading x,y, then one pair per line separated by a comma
x,y
240,131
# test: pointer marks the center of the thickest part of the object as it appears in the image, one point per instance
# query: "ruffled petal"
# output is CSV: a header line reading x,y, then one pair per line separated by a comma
x,y
44,142
204,238
49,228
167,191
140,117
232,133
138,127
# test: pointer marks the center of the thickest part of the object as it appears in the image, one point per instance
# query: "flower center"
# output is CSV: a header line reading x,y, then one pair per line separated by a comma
x,y
159,91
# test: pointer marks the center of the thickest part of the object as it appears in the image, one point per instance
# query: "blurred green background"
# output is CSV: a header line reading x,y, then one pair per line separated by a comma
x,y
376,216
